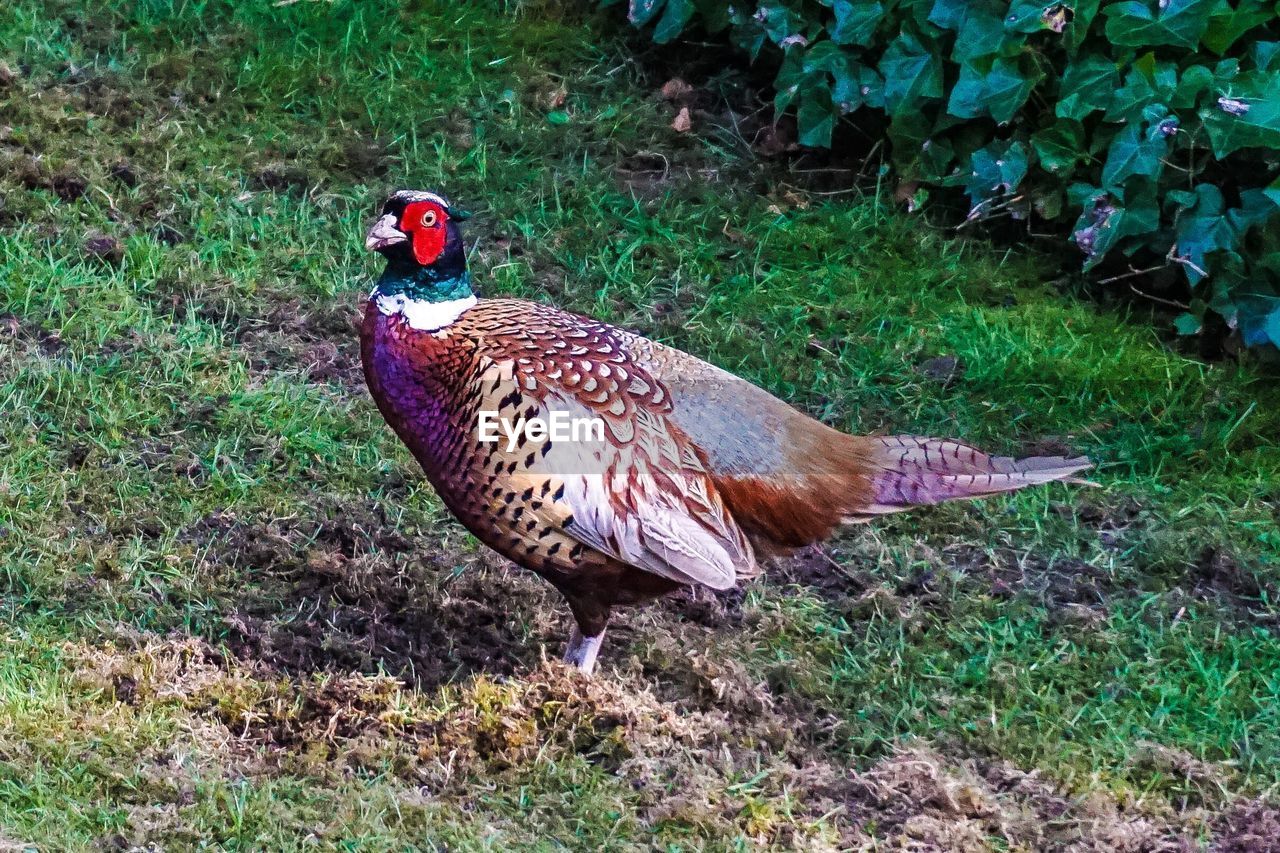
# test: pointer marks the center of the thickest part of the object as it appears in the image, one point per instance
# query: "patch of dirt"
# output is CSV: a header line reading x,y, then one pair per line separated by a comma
x,y
1115,518
737,116
215,302
1219,576
362,157
645,172
282,177
68,185
341,589
685,764
1250,826
815,569
78,126
1071,589
706,607
919,799
138,668
32,334
104,248
945,369
1218,582
322,341
1183,778
1062,584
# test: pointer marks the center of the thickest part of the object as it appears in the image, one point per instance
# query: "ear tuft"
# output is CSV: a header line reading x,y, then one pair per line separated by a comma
x,y
459,214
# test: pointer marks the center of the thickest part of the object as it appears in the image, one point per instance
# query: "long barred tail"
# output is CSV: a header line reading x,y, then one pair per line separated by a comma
x,y
908,470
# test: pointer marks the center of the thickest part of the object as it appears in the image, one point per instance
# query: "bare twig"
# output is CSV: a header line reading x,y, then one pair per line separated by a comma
x,y
862,169
977,212
1186,262
821,192
1131,274
1172,303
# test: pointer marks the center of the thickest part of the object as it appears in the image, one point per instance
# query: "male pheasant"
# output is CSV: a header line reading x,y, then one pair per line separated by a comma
x,y
690,475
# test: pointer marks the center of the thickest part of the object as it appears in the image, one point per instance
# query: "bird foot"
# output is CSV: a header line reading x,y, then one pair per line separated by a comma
x,y
583,649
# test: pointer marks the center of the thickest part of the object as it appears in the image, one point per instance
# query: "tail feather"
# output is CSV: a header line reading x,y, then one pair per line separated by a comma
x,y
912,471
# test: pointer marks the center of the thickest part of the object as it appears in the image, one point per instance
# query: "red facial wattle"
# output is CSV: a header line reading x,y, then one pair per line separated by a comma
x,y
424,222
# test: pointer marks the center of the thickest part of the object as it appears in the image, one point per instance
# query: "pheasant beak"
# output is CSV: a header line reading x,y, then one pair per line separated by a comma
x,y
384,233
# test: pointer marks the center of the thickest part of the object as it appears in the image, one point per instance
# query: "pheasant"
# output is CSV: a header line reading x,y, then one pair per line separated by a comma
x,y
683,473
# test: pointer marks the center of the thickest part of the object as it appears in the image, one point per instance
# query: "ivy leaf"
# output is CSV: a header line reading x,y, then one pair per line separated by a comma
x,y
998,92
855,85
1260,320
1266,55
1147,82
1273,192
1188,324
641,12
747,32
673,21
1221,300
1225,71
1078,29
1227,24
1060,146
816,118
1048,203
1202,229
1246,115
1256,208
909,130
1174,22
780,22
848,83
855,23
1192,83
774,23
1084,79
911,73
1134,152
954,14
823,56
994,171
1105,219
937,155
791,76
978,25
1271,325
1035,16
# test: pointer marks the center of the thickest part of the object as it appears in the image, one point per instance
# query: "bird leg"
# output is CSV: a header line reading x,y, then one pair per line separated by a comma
x,y
583,649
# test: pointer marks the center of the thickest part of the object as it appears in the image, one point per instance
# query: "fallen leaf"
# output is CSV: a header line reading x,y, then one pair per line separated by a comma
x,y
555,99
683,122
795,200
675,88
905,191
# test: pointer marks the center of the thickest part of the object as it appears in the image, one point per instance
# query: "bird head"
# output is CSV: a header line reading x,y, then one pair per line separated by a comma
x,y
419,229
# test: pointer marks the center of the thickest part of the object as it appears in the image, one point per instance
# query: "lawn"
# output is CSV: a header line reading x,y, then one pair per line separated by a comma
x,y
233,614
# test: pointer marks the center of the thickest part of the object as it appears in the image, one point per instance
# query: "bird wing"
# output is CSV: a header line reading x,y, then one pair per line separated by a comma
x,y
640,494
748,463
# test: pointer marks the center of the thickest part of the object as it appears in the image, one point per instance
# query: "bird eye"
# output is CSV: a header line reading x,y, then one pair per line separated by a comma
x,y
429,219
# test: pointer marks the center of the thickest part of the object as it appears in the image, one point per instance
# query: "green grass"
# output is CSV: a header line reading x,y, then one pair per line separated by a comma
x,y
206,529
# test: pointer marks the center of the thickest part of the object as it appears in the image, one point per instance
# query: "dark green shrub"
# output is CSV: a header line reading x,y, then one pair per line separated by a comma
x,y
1152,125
